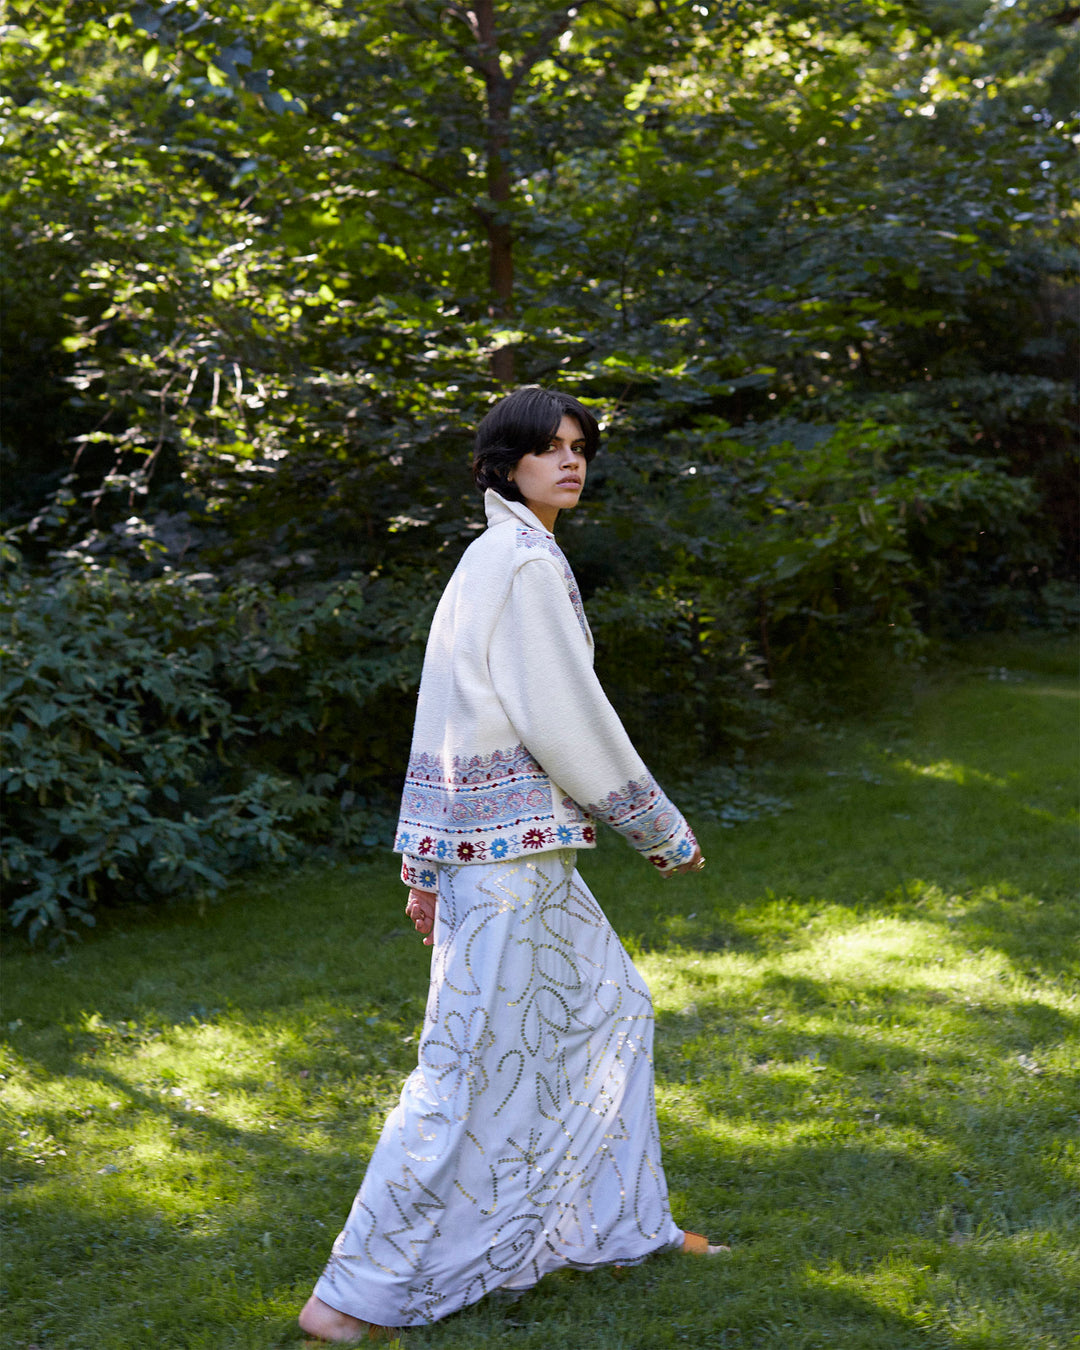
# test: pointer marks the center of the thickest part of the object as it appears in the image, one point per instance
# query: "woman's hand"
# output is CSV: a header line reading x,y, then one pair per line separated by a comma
x,y
420,907
696,863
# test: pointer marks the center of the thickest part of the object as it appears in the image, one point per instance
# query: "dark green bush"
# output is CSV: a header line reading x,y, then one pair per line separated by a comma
x,y
676,659
739,562
160,734
854,535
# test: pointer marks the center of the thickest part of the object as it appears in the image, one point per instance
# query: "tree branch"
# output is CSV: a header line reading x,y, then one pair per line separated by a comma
x,y
436,184
555,28
430,182
663,314
467,18
538,372
478,211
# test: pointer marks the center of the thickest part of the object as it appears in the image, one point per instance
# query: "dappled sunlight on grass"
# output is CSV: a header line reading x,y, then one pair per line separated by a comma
x,y
948,772
866,1058
834,953
1049,691
955,1289
783,1141
963,775
894,1085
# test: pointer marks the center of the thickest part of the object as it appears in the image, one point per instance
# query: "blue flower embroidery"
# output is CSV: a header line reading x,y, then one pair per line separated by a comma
x,y
563,835
404,841
498,848
442,849
428,878
684,850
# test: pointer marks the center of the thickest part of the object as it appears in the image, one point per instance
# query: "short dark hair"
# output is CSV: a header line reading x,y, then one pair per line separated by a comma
x,y
519,424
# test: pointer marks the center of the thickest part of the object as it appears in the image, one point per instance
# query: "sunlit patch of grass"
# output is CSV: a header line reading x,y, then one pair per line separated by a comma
x,y
949,772
867,1073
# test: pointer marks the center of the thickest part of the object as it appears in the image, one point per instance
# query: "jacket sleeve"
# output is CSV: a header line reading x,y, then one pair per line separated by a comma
x,y
541,668
419,873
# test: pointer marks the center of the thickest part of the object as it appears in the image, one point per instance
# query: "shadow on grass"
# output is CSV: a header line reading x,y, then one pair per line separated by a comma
x,y
988,855
191,1220
817,1260
850,1232
887,1156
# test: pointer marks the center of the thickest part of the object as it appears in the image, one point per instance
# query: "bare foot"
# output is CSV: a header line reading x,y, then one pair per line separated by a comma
x,y
319,1319
697,1245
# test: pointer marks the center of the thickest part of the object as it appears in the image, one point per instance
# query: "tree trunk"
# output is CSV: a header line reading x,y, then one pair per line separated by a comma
x,y
500,97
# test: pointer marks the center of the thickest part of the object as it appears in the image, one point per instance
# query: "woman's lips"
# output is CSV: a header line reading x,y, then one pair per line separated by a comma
x,y
569,482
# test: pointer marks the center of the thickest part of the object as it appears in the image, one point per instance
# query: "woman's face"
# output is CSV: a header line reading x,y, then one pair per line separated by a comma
x,y
552,478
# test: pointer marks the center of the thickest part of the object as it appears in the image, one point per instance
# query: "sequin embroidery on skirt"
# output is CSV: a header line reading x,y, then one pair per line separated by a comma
x,y
526,1137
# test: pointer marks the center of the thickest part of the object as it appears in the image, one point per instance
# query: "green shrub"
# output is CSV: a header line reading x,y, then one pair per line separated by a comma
x,y
676,659
158,735
854,535
161,733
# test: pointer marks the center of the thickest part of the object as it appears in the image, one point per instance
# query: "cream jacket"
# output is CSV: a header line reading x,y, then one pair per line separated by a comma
x,y
516,748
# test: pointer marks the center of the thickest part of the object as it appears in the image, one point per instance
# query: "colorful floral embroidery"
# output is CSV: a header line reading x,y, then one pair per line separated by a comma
x,y
480,806
423,877
500,806
481,792
641,811
573,811
644,814
500,764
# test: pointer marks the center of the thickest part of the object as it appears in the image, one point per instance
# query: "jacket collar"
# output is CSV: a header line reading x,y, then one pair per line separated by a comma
x,y
499,509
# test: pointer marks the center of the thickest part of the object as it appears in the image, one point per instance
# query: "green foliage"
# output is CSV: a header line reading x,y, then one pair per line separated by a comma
x,y
814,268
743,559
863,535
159,735
280,323
674,661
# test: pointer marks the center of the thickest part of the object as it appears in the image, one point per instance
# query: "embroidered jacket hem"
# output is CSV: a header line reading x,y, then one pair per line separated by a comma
x,y
516,749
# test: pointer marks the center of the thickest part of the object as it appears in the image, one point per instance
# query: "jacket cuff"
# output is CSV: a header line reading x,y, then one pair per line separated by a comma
x,y
649,821
676,851
416,872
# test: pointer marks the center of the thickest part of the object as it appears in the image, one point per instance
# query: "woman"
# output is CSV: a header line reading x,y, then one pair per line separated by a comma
x,y
526,1138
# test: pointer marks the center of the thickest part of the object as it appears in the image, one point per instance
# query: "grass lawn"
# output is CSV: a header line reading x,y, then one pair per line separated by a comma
x,y
867,1068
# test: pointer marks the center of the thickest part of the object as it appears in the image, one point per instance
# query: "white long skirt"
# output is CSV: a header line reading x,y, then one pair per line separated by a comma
x,y
525,1139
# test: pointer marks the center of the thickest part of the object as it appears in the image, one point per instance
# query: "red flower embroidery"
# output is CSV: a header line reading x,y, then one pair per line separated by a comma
x,y
426,845
533,839
466,852
589,834
657,862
